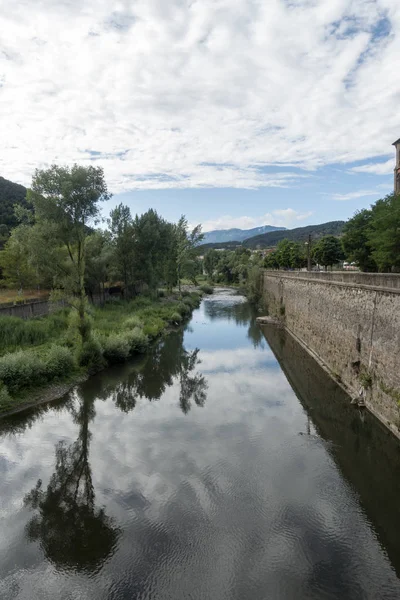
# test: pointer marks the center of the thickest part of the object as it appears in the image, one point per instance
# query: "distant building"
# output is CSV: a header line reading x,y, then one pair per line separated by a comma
x,y
397,167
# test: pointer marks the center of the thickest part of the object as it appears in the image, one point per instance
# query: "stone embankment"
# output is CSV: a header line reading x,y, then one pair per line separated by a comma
x,y
350,322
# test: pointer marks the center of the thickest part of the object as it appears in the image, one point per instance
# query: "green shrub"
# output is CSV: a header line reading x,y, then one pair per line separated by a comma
x,y
207,289
116,348
22,369
153,327
175,318
16,332
183,309
133,323
185,293
137,340
59,362
91,356
5,397
161,293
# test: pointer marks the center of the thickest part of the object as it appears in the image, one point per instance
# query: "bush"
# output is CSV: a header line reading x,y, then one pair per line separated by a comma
x,y
116,348
137,340
153,327
175,318
22,369
16,332
91,356
5,397
207,289
59,361
183,309
132,323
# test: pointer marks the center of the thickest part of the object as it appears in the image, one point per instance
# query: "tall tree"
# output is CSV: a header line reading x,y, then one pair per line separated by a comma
x,y
122,235
355,240
384,232
66,202
328,251
186,243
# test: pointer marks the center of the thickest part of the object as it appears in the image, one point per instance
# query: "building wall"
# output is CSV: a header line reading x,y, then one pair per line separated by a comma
x,y
351,322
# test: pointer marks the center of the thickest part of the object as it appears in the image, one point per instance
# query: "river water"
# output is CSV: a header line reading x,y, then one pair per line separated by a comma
x,y
224,465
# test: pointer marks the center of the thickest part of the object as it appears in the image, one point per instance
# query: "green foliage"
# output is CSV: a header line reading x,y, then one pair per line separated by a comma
x,y
384,232
207,289
66,202
16,268
254,284
17,333
183,309
137,340
91,356
11,194
5,397
186,243
60,361
133,323
175,318
27,368
116,348
355,240
328,251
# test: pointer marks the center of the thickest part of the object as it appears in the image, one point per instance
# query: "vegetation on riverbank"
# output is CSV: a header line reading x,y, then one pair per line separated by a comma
x,y
40,352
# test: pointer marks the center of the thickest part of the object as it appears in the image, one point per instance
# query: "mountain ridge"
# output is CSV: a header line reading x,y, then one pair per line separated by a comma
x,y
217,236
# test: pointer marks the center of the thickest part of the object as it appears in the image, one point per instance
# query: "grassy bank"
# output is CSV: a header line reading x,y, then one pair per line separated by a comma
x,y
38,353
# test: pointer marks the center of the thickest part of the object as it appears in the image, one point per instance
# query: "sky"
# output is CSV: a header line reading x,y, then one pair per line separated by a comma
x,y
236,113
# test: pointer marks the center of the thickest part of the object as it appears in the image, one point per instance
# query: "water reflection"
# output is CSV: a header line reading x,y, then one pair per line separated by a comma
x,y
72,532
169,362
151,496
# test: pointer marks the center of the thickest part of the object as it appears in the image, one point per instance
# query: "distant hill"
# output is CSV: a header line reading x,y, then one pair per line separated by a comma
x,y
217,246
236,235
300,234
10,193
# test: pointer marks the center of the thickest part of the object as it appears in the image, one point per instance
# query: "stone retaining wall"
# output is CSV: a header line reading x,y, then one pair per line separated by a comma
x,y
351,322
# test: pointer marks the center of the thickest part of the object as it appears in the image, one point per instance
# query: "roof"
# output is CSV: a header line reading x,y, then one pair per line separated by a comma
x,y
396,142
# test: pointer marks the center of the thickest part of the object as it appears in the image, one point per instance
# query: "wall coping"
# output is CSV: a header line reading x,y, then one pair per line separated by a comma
x,y
318,277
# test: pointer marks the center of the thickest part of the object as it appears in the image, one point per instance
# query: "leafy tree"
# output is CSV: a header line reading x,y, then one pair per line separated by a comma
x,y
122,236
298,258
11,194
99,256
355,240
66,202
186,243
271,261
14,260
384,232
328,251
210,263
283,254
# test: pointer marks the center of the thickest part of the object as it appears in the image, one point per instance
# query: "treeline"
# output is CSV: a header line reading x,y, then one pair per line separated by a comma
x,y
58,243
11,194
370,239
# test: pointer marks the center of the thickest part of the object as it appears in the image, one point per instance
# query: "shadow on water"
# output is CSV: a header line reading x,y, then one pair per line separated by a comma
x,y
367,454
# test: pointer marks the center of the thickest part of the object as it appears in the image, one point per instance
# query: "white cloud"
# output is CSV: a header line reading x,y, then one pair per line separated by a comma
x,y
354,195
385,168
197,94
287,217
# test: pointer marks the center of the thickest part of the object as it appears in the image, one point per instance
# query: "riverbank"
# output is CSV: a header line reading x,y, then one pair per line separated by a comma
x,y
42,359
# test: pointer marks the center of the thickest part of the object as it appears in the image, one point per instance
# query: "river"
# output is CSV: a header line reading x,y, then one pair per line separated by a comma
x,y
223,465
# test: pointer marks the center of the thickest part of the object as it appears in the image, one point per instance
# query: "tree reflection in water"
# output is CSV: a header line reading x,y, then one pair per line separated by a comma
x,y
167,363
241,312
72,531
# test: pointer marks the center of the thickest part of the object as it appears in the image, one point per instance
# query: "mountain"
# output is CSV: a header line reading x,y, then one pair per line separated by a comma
x,y
10,193
300,234
236,235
